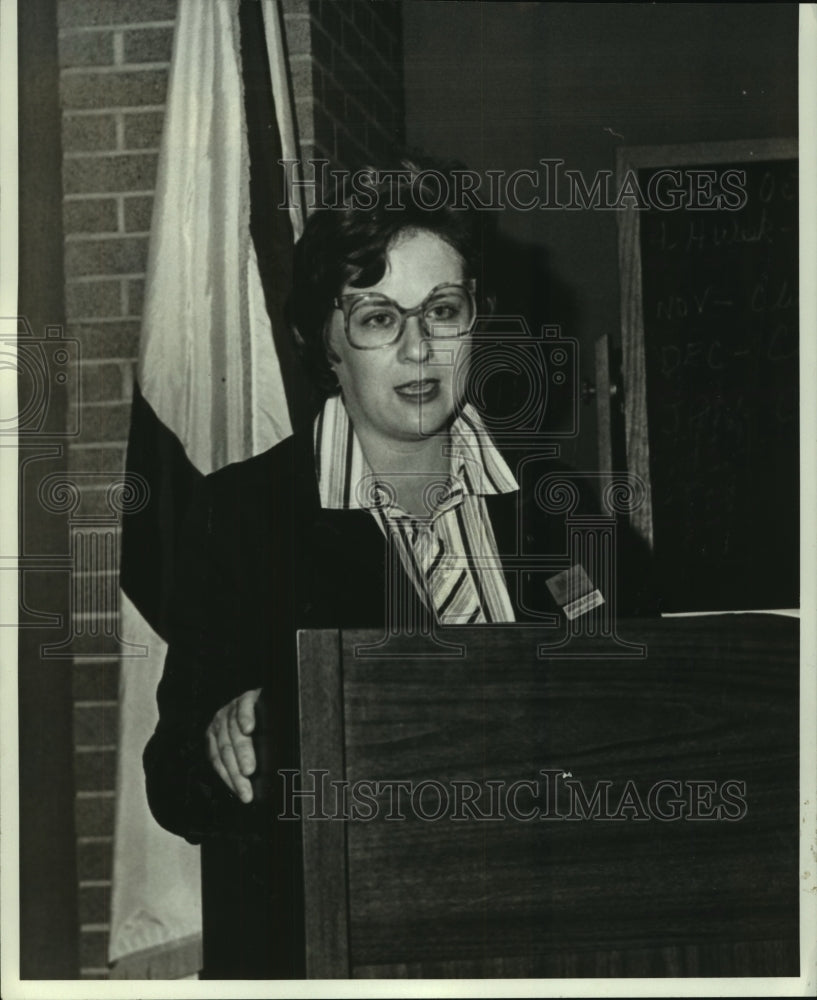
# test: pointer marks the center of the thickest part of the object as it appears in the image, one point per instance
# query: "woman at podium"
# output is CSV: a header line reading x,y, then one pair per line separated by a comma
x,y
395,509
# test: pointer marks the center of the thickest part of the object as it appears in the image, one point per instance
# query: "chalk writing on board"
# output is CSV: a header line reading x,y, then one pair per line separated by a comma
x,y
720,321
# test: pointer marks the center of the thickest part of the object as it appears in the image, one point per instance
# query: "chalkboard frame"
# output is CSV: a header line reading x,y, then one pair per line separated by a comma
x,y
633,368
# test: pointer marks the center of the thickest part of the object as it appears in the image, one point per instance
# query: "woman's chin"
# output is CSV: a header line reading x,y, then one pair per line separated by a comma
x,y
419,428
428,422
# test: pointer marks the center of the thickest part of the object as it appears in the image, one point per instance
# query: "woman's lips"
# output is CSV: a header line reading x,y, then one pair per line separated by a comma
x,y
423,389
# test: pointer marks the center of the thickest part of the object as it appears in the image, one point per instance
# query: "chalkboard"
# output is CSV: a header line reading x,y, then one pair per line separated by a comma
x,y
710,349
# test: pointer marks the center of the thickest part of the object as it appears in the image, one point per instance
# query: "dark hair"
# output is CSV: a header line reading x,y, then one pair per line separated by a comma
x,y
346,239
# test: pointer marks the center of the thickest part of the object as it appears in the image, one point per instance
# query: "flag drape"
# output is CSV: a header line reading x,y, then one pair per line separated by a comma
x,y
209,391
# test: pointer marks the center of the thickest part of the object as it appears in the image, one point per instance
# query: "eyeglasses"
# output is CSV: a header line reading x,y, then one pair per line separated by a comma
x,y
373,321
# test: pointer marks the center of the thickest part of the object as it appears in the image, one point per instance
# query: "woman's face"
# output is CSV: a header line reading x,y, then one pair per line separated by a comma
x,y
405,391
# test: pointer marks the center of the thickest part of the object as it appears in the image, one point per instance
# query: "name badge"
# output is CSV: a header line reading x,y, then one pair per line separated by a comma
x,y
574,591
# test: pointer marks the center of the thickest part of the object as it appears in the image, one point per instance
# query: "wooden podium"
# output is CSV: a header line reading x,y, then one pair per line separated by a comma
x,y
552,812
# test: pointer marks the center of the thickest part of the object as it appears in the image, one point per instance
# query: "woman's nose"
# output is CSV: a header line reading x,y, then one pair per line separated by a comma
x,y
414,344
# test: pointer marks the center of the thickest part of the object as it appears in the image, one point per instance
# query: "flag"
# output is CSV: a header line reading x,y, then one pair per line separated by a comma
x,y
210,389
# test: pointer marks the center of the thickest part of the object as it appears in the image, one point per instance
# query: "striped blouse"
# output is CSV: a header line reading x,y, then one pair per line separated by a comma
x,y
450,556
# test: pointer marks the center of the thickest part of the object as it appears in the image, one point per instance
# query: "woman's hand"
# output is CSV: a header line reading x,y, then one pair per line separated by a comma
x,y
229,743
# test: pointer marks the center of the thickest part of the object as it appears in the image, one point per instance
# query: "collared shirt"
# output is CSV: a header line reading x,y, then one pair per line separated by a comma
x,y
450,556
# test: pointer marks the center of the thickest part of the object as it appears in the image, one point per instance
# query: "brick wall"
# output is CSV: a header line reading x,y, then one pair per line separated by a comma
x,y
114,59
347,71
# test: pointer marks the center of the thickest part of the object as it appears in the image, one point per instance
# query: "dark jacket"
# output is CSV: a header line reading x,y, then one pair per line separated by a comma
x,y
260,560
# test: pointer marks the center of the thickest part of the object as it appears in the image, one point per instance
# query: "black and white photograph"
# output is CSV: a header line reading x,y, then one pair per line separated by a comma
x,y
407,453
